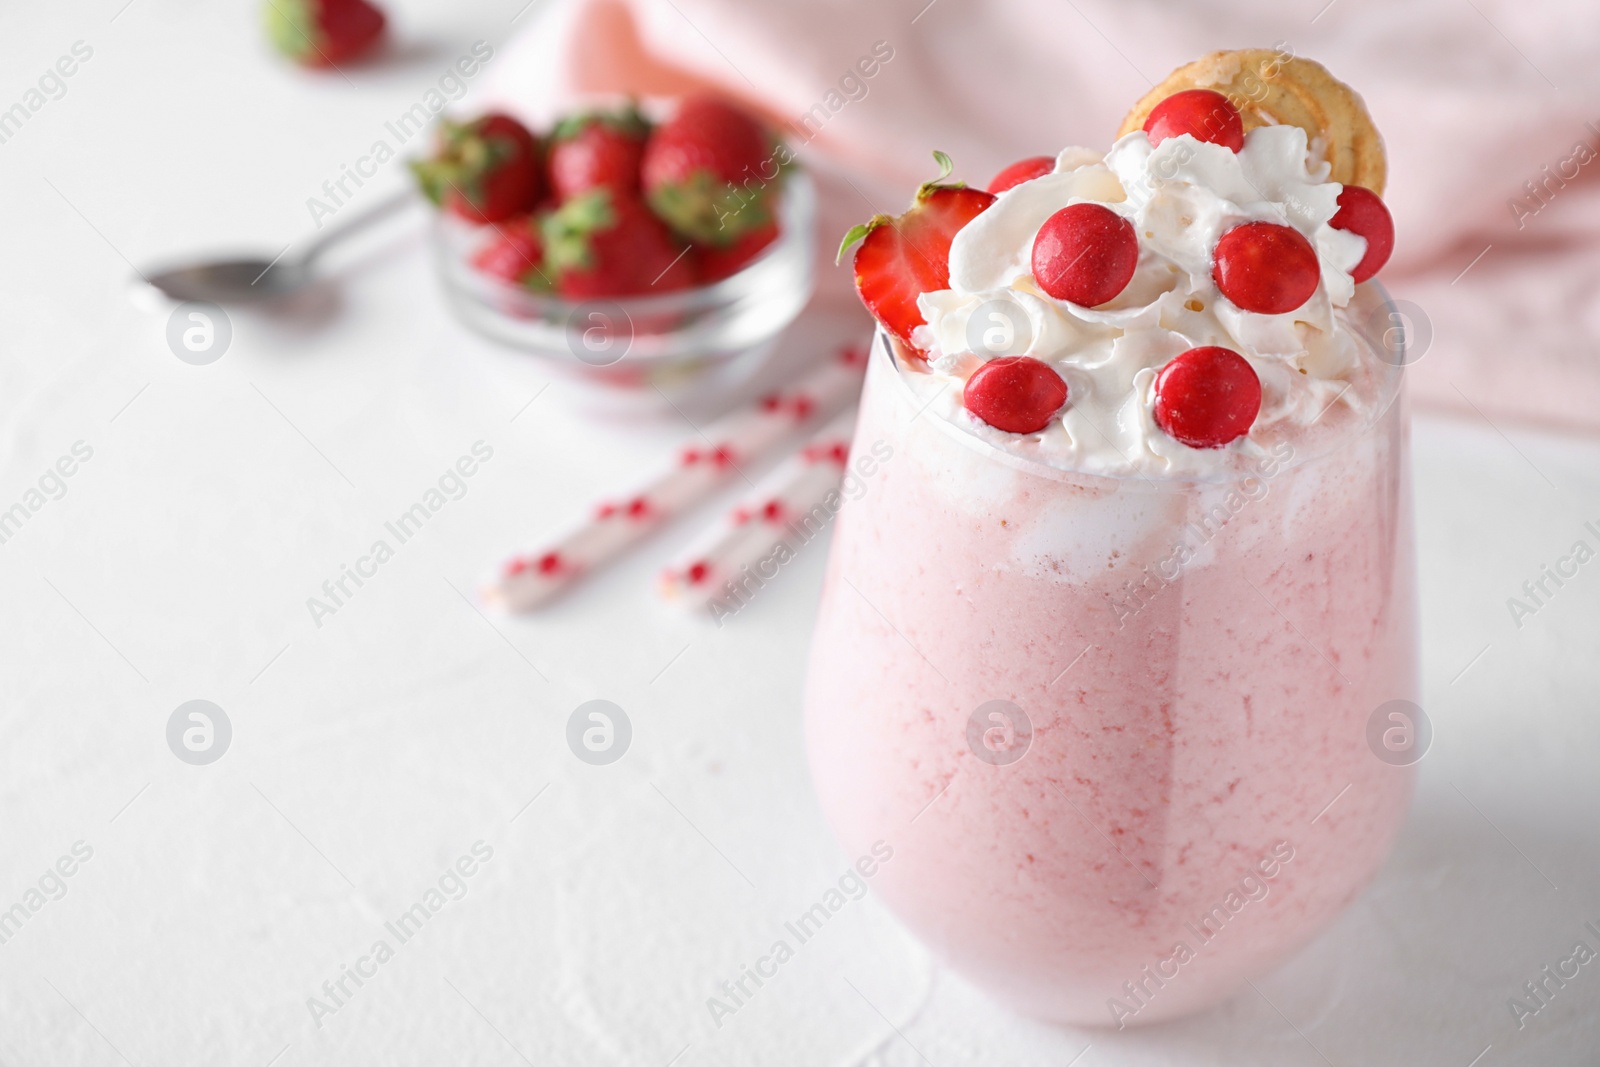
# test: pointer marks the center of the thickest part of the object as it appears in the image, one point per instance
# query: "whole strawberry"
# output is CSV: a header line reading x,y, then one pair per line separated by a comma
x,y
516,254
714,264
600,244
484,170
598,150
711,171
322,33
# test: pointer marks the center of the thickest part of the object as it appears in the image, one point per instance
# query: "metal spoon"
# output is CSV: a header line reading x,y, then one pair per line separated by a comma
x,y
245,278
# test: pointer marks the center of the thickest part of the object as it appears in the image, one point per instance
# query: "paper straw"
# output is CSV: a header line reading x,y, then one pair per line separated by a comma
x,y
787,509
704,464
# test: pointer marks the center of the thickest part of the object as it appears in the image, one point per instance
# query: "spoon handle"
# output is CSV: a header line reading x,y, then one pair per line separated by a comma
x,y
362,220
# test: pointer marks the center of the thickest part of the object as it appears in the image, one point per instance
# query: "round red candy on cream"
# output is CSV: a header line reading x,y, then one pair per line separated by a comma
x,y
1017,394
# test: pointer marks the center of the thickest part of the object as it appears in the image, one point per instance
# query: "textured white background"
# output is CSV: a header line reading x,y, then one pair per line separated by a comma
x,y
370,753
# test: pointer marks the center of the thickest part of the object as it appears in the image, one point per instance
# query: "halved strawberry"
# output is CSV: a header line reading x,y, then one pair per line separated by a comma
x,y
902,258
484,170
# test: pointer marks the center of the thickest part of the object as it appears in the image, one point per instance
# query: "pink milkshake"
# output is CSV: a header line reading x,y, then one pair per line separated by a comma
x,y
1107,693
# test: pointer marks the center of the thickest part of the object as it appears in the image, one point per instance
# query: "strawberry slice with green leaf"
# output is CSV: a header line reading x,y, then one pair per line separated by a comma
x,y
901,258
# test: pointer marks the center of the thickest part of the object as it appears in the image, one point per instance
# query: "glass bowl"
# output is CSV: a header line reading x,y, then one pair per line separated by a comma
x,y
641,353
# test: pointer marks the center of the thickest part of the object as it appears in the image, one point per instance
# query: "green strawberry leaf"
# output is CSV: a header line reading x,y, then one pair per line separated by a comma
x,y
627,119
566,231
856,234
430,179
946,168
291,26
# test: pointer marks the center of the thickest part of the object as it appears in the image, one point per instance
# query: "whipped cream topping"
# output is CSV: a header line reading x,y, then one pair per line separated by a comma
x,y
1317,375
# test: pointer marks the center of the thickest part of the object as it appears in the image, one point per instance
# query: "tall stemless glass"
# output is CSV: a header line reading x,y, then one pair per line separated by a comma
x,y
1127,738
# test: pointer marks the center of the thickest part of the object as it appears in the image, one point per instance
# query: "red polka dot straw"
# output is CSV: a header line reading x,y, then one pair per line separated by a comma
x,y
743,551
715,455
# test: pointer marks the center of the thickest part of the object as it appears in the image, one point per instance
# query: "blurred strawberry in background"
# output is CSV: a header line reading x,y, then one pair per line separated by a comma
x,y
719,263
323,33
516,254
602,244
598,150
709,171
614,205
485,170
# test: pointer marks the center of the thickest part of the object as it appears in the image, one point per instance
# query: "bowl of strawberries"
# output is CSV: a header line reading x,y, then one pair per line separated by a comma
x,y
651,251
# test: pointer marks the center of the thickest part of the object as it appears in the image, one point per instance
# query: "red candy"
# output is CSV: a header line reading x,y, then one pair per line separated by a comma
x,y
1266,268
1023,170
1017,394
1207,397
1205,115
1363,214
1085,253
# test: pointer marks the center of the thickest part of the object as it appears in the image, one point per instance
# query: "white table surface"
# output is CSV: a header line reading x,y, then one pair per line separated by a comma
x,y
371,753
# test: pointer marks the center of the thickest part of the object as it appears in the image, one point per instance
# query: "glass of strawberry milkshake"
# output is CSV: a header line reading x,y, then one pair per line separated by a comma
x,y
1098,652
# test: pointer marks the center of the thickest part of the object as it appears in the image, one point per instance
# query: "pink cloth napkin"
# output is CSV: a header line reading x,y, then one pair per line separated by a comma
x,y
1476,99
